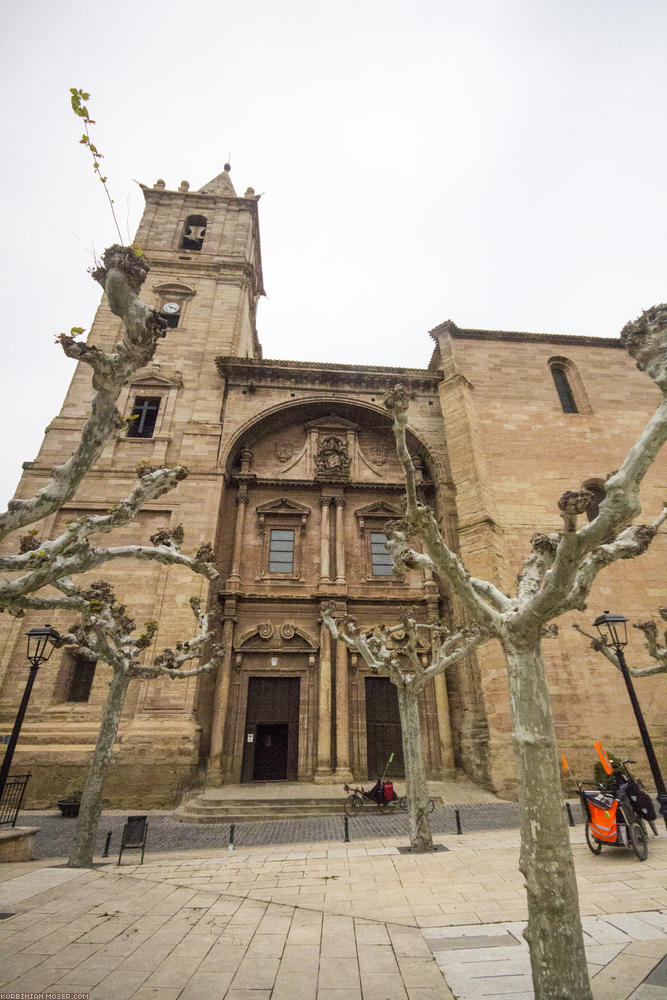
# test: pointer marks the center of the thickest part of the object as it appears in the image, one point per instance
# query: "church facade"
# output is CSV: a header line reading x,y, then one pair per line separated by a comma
x,y
292,476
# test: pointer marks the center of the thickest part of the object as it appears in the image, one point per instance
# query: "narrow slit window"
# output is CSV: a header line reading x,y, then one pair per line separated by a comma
x,y
281,551
194,232
143,416
75,678
82,679
598,493
381,560
564,389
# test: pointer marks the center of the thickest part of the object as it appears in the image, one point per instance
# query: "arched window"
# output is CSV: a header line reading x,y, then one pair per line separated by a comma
x,y
563,388
194,232
598,493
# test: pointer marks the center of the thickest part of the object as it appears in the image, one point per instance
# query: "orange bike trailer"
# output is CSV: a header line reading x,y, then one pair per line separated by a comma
x,y
602,817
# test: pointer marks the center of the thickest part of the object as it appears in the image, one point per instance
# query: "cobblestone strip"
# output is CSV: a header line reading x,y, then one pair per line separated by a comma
x,y
166,834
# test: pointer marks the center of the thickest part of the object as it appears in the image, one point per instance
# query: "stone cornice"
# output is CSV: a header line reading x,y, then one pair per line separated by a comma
x,y
299,484
245,370
540,338
414,594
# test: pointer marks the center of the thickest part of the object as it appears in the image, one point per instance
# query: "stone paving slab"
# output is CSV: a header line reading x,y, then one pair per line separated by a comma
x,y
318,921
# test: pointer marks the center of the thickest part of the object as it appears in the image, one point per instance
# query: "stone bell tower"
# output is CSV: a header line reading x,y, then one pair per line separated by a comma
x,y
206,269
205,280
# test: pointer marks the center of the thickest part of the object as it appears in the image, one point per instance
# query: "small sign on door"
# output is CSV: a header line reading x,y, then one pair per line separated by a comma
x,y
250,738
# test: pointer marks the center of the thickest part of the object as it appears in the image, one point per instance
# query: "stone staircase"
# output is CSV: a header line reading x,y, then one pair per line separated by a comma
x,y
210,808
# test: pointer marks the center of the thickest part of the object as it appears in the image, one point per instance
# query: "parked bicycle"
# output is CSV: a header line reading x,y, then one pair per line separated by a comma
x,y
381,795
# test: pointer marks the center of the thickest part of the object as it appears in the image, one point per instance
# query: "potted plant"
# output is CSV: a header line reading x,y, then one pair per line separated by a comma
x,y
71,800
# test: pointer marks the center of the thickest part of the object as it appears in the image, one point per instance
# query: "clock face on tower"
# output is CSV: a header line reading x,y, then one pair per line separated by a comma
x,y
171,307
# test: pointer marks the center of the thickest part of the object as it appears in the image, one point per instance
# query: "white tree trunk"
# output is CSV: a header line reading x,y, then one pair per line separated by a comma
x,y
81,854
421,838
554,933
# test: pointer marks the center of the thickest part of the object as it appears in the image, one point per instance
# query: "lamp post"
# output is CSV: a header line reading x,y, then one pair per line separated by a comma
x,y
614,633
41,642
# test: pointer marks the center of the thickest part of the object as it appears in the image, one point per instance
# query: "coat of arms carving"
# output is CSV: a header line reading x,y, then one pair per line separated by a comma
x,y
332,460
284,450
378,452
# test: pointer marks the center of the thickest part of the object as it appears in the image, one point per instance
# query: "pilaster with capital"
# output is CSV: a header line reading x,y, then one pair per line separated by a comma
x,y
323,773
340,541
325,541
221,698
234,578
343,772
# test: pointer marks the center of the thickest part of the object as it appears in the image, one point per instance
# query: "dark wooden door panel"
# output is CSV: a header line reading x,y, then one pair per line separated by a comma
x,y
271,737
383,729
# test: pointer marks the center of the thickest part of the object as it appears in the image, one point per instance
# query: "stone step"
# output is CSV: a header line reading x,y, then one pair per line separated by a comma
x,y
202,810
185,816
211,803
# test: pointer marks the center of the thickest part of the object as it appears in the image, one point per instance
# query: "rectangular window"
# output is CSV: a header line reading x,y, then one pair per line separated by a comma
x,y
143,417
381,561
281,551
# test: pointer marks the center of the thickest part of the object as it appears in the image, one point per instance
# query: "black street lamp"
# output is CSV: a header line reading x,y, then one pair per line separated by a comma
x,y
614,632
41,643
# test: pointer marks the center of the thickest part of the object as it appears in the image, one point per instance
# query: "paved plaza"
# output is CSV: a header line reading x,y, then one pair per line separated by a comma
x,y
323,921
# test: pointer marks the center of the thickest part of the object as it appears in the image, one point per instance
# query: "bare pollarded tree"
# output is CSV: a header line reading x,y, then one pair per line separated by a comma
x,y
39,575
557,576
396,652
105,633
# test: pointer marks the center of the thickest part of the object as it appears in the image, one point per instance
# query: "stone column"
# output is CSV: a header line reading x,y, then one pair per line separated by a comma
x,y
325,570
340,541
220,702
343,772
444,726
323,773
440,686
241,505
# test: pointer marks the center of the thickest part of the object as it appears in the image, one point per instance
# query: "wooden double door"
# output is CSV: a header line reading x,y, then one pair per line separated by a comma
x,y
271,740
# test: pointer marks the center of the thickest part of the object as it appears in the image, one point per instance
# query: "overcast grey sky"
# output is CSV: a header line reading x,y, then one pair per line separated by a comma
x,y
499,162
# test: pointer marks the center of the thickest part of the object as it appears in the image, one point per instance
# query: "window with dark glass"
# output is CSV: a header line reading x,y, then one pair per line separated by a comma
x,y
143,416
194,232
564,389
281,551
381,562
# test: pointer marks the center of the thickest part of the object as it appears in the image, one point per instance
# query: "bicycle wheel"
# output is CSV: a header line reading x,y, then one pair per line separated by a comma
x,y
594,845
353,805
403,802
638,840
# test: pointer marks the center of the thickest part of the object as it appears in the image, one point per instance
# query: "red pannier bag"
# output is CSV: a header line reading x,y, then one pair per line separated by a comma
x,y
388,791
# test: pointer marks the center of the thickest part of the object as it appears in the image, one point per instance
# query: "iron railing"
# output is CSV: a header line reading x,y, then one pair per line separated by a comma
x,y
12,797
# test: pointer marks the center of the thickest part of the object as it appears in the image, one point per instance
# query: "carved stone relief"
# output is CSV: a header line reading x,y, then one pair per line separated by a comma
x,y
332,460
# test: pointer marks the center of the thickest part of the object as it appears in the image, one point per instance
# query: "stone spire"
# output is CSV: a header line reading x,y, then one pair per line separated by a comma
x,y
221,184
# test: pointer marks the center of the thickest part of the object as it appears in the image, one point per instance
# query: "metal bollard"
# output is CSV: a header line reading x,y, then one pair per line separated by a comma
x,y
570,817
346,824
457,814
230,846
105,852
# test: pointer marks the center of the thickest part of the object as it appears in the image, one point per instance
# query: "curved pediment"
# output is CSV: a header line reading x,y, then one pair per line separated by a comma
x,y
286,638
